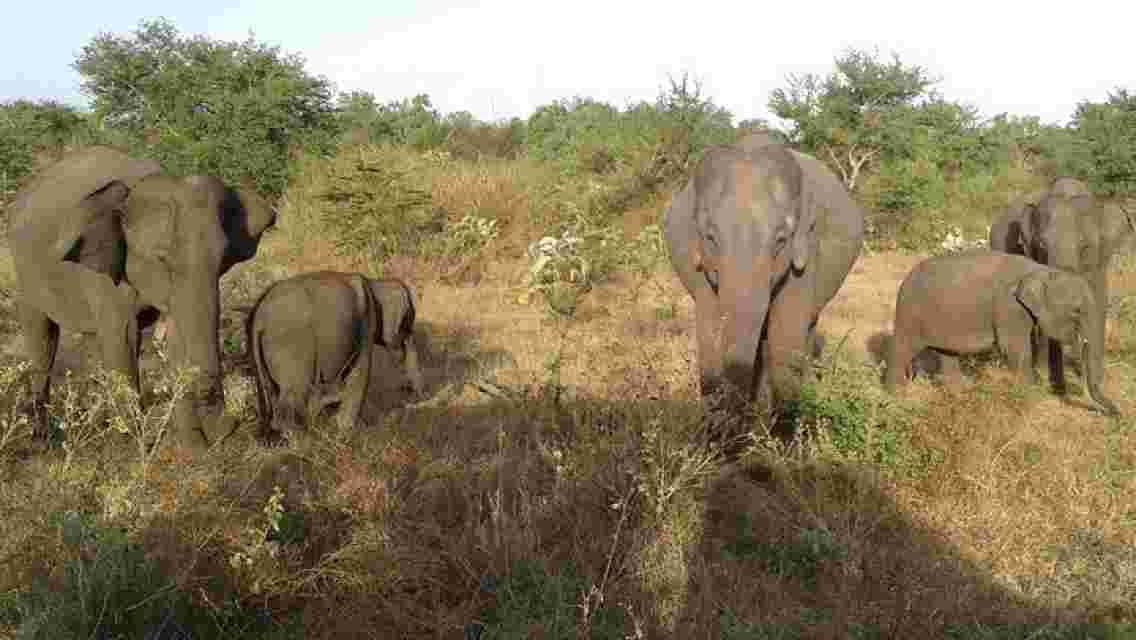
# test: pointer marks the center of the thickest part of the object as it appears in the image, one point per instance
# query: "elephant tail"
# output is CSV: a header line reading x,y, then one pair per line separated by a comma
x,y
365,326
260,370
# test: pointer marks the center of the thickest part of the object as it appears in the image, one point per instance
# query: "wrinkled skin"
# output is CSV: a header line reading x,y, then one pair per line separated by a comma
x,y
974,301
105,244
1068,228
761,237
310,338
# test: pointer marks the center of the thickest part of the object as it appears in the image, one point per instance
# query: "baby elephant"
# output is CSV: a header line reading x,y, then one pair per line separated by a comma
x,y
310,339
970,302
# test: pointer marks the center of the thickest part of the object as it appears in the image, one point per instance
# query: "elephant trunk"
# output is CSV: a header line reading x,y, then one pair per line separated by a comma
x,y
1092,363
745,295
195,310
410,364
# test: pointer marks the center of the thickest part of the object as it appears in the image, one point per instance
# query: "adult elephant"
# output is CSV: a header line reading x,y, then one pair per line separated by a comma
x,y
1069,228
761,237
103,243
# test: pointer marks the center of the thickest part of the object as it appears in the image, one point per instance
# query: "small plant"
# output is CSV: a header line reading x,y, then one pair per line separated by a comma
x,y
374,209
103,585
531,597
559,272
468,236
16,426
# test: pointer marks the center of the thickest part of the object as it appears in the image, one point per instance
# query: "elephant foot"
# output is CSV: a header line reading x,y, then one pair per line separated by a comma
x,y
219,429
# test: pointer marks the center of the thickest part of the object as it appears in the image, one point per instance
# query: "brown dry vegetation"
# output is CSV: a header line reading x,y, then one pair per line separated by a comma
x,y
551,483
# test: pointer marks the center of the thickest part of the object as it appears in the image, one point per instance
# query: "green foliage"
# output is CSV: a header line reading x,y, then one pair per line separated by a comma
x,y
236,110
375,210
652,143
29,129
800,557
852,418
103,585
861,113
1104,147
531,597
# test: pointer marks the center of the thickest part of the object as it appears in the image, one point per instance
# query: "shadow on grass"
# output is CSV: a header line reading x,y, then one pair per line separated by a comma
x,y
536,516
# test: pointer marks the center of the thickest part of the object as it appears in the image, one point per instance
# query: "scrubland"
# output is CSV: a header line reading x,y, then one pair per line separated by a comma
x,y
552,481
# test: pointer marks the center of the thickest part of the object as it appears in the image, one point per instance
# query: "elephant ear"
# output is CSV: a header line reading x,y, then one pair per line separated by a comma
x,y
104,201
1031,292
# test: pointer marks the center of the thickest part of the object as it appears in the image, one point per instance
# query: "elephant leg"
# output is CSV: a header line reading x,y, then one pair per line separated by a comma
x,y
41,344
290,412
1037,346
1020,354
900,360
787,346
354,394
949,369
119,334
1057,367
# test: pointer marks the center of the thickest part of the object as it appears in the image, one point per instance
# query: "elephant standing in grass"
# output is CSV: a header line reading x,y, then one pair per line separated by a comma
x,y
310,339
973,301
761,237
104,243
1068,228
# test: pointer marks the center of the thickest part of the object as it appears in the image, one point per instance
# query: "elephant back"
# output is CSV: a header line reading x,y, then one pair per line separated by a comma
x,y
73,177
839,230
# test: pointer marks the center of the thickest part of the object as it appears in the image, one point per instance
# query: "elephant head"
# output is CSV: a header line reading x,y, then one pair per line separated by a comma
x,y
1063,306
754,225
398,305
182,235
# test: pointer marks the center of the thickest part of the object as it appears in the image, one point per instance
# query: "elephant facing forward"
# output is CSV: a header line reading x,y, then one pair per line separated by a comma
x,y
103,243
971,302
761,237
310,339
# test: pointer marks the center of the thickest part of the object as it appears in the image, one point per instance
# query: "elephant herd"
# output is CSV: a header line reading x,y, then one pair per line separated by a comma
x,y
761,236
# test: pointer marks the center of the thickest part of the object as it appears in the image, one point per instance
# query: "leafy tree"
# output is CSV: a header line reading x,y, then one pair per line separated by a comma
x,y
863,110
1104,144
31,131
198,105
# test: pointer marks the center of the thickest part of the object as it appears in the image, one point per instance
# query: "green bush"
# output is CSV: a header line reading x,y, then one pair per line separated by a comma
x,y
532,597
31,129
196,105
104,586
375,211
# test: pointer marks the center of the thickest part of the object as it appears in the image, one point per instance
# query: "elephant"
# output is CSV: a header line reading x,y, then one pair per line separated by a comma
x,y
976,300
104,243
1069,228
761,237
310,339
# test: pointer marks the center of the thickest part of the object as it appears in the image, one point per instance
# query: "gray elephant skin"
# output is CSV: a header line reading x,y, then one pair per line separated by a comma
x,y
310,338
105,244
1069,228
761,237
978,300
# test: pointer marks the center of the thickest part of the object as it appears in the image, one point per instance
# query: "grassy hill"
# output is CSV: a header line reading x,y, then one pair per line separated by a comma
x,y
550,483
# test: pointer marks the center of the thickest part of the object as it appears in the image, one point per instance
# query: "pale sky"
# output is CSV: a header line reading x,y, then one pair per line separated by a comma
x,y
504,58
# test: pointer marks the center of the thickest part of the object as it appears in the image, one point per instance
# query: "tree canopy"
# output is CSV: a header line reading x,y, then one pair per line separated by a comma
x,y
199,105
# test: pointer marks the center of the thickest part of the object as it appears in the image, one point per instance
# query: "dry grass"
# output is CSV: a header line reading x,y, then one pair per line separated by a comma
x,y
550,483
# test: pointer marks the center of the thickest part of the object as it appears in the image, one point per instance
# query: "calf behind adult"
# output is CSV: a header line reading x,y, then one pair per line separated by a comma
x,y
971,302
310,339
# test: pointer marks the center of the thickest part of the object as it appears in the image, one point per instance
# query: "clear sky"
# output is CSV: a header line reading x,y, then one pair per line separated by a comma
x,y
506,57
